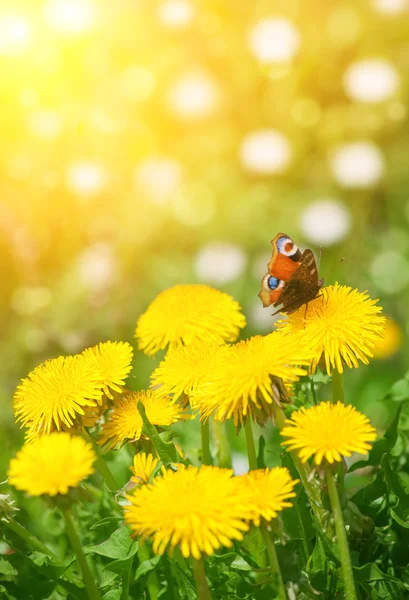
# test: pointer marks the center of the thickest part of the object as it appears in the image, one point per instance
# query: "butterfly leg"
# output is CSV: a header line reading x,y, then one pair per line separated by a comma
x,y
306,308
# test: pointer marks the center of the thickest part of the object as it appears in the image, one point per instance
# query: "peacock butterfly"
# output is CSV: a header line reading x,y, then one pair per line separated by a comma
x,y
292,278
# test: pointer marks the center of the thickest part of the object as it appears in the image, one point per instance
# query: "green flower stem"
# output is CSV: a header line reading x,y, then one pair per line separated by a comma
x,y
126,578
251,448
313,393
346,566
337,387
205,435
89,582
30,539
101,465
203,592
105,472
219,435
274,564
305,543
311,487
152,581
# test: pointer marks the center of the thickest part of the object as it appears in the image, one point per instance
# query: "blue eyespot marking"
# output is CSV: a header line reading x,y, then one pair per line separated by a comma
x,y
281,242
272,282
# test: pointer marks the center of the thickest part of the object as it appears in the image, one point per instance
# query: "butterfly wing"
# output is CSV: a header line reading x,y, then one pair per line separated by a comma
x,y
303,285
271,289
286,257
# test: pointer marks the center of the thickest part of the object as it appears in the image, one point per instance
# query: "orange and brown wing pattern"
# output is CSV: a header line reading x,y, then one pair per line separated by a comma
x,y
286,257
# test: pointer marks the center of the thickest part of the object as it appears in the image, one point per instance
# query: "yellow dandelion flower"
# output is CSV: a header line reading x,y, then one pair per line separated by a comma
x,y
185,313
113,361
55,393
183,369
342,325
143,467
125,422
248,377
198,510
391,343
270,491
328,431
51,464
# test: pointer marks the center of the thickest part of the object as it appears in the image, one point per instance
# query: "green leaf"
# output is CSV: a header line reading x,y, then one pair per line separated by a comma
x,y
113,594
146,566
381,446
260,456
167,451
119,545
386,587
240,564
106,521
5,595
399,392
6,569
318,566
396,485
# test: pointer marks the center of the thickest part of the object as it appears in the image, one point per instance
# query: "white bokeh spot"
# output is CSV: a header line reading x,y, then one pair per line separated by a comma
x,y
265,152
325,222
357,165
372,81
220,262
274,40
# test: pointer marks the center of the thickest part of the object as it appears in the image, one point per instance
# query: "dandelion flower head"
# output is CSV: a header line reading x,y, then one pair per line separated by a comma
x,y
112,360
243,380
51,464
55,394
185,313
198,510
143,467
270,491
328,431
125,422
183,369
342,325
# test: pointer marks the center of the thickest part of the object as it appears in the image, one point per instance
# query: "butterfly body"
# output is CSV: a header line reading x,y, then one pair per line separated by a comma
x,y
292,278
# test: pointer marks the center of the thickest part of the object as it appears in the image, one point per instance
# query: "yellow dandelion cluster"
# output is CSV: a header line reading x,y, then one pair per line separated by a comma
x,y
328,431
185,313
143,467
125,422
198,510
245,378
113,360
51,464
184,369
342,325
55,392
60,392
270,491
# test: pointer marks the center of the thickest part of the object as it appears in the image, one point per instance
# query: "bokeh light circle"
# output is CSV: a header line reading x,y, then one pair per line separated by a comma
x,y
193,96
357,164
159,178
325,222
176,14
373,80
274,40
220,262
390,272
265,152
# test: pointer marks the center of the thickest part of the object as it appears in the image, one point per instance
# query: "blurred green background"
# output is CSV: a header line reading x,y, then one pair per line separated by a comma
x,y
148,143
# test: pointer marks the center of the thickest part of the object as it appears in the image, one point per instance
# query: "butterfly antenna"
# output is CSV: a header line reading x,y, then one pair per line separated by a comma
x,y
333,268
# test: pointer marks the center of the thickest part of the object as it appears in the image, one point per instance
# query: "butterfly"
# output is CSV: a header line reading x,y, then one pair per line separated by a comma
x,y
292,278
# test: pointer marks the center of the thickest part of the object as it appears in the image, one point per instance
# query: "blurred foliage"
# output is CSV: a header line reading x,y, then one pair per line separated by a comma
x,y
91,231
